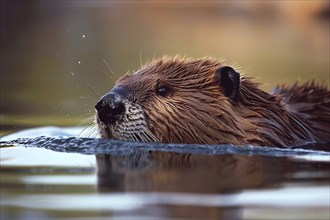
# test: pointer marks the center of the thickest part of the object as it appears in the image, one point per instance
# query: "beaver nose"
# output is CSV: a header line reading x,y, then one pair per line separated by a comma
x,y
111,106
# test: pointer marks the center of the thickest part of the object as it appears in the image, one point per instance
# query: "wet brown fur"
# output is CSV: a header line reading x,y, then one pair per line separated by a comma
x,y
196,111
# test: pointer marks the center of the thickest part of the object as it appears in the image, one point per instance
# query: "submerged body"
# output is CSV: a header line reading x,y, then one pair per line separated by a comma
x,y
203,102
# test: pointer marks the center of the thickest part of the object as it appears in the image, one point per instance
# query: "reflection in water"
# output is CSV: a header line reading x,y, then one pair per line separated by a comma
x,y
202,174
149,180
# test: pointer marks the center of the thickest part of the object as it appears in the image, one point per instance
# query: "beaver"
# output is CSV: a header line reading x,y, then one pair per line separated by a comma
x,y
202,101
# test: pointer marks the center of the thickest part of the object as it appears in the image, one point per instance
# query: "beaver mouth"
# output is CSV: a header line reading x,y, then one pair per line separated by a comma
x,y
127,123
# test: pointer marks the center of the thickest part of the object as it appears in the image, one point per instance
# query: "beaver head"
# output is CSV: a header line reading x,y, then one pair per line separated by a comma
x,y
191,101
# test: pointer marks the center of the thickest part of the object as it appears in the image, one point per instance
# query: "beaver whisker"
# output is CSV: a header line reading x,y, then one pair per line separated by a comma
x,y
86,130
94,133
149,137
131,137
138,135
90,131
110,69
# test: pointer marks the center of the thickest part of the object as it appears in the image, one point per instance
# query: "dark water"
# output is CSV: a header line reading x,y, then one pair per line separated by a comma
x,y
83,178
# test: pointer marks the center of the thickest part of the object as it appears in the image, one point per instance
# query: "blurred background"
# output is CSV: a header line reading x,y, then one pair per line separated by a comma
x,y
53,52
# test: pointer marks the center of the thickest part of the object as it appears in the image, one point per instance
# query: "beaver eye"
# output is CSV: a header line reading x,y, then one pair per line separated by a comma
x,y
163,91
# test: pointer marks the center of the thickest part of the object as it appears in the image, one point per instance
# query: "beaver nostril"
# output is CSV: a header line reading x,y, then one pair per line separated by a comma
x,y
109,112
112,105
99,105
118,109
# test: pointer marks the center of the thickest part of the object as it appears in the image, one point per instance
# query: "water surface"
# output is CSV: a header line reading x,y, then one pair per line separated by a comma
x,y
52,177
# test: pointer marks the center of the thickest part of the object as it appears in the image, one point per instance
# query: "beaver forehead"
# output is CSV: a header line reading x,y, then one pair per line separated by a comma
x,y
172,72
174,68
138,81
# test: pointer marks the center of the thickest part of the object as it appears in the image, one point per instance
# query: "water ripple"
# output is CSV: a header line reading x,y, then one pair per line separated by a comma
x,y
116,147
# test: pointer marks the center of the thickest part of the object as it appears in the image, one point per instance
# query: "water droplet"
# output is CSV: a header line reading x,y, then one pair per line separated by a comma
x,y
79,62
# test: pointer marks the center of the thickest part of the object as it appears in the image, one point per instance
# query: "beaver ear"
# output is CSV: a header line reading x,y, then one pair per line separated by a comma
x,y
229,82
